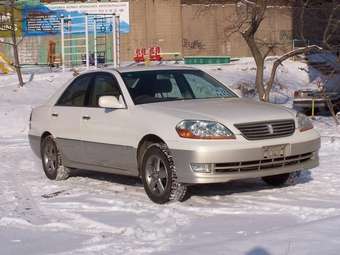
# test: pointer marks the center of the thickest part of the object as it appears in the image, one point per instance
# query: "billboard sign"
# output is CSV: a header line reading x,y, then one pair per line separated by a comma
x,y
40,21
118,8
45,19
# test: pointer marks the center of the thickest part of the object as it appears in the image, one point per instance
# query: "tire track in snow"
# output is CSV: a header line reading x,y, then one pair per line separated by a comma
x,y
15,174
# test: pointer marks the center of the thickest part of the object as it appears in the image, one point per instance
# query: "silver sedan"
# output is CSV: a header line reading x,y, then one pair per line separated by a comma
x,y
170,126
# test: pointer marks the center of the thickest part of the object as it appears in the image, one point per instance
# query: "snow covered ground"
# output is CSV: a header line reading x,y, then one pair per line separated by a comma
x,y
95,213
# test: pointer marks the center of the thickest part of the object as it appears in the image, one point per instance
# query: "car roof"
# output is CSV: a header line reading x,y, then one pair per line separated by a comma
x,y
141,68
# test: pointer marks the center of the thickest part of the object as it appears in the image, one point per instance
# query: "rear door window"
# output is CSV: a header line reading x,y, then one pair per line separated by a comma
x,y
75,94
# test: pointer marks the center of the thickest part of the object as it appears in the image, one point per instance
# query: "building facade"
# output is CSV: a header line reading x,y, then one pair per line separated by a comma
x,y
190,27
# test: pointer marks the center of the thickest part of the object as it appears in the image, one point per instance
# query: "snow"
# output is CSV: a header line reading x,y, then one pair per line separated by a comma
x,y
96,213
291,76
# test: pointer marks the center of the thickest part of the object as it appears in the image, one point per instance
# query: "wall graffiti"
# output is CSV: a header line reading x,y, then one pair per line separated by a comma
x,y
285,35
194,44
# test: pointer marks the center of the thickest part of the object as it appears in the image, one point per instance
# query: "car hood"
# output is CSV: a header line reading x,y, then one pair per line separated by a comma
x,y
226,111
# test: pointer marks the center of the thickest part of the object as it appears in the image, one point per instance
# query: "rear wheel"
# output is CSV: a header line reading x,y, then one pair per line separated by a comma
x,y
159,175
282,179
52,160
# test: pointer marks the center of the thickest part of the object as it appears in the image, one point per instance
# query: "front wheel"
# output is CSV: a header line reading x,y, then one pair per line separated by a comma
x,y
159,175
52,161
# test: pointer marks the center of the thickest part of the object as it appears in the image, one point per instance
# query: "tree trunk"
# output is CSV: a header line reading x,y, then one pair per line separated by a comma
x,y
259,60
17,65
259,81
15,46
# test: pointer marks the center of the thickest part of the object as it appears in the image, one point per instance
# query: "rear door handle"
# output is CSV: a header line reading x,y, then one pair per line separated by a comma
x,y
55,114
86,117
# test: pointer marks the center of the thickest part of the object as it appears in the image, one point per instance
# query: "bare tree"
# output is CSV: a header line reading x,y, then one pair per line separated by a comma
x,y
302,5
332,26
318,21
249,15
9,23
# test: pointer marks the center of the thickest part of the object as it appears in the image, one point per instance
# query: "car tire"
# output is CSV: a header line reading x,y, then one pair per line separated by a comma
x,y
159,177
52,160
282,179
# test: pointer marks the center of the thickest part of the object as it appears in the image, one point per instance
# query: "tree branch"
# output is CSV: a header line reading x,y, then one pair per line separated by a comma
x,y
302,16
6,43
21,40
284,57
269,50
331,28
257,13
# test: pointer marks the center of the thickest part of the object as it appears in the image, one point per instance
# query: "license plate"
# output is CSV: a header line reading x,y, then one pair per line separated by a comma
x,y
276,151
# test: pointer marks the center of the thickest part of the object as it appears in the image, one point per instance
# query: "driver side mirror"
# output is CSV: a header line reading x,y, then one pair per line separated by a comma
x,y
110,102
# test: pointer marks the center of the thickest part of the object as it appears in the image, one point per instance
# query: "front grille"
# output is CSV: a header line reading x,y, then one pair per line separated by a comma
x,y
266,129
257,165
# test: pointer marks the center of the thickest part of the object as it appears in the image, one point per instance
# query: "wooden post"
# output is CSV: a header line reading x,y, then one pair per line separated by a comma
x,y
313,107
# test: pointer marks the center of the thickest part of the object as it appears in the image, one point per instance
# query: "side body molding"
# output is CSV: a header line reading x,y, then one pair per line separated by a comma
x,y
108,158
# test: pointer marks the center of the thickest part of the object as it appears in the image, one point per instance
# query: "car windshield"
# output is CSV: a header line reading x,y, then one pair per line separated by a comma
x,y
169,85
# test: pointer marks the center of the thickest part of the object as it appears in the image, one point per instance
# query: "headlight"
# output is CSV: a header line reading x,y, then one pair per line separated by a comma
x,y
304,122
203,129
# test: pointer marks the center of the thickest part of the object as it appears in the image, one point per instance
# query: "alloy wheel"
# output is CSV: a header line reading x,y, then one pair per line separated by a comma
x,y
156,175
50,156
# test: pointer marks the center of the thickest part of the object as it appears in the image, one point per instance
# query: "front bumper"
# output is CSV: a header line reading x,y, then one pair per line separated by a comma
x,y
245,159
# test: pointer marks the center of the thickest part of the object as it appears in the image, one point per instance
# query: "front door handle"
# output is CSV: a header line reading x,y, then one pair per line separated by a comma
x,y
55,114
86,117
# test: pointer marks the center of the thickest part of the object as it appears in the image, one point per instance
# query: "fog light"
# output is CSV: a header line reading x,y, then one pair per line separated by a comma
x,y
201,168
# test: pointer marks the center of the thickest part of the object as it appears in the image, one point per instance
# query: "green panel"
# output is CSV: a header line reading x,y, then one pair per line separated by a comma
x,y
29,2
204,60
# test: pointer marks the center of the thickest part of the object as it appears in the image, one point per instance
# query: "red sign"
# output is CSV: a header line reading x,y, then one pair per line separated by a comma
x,y
154,54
